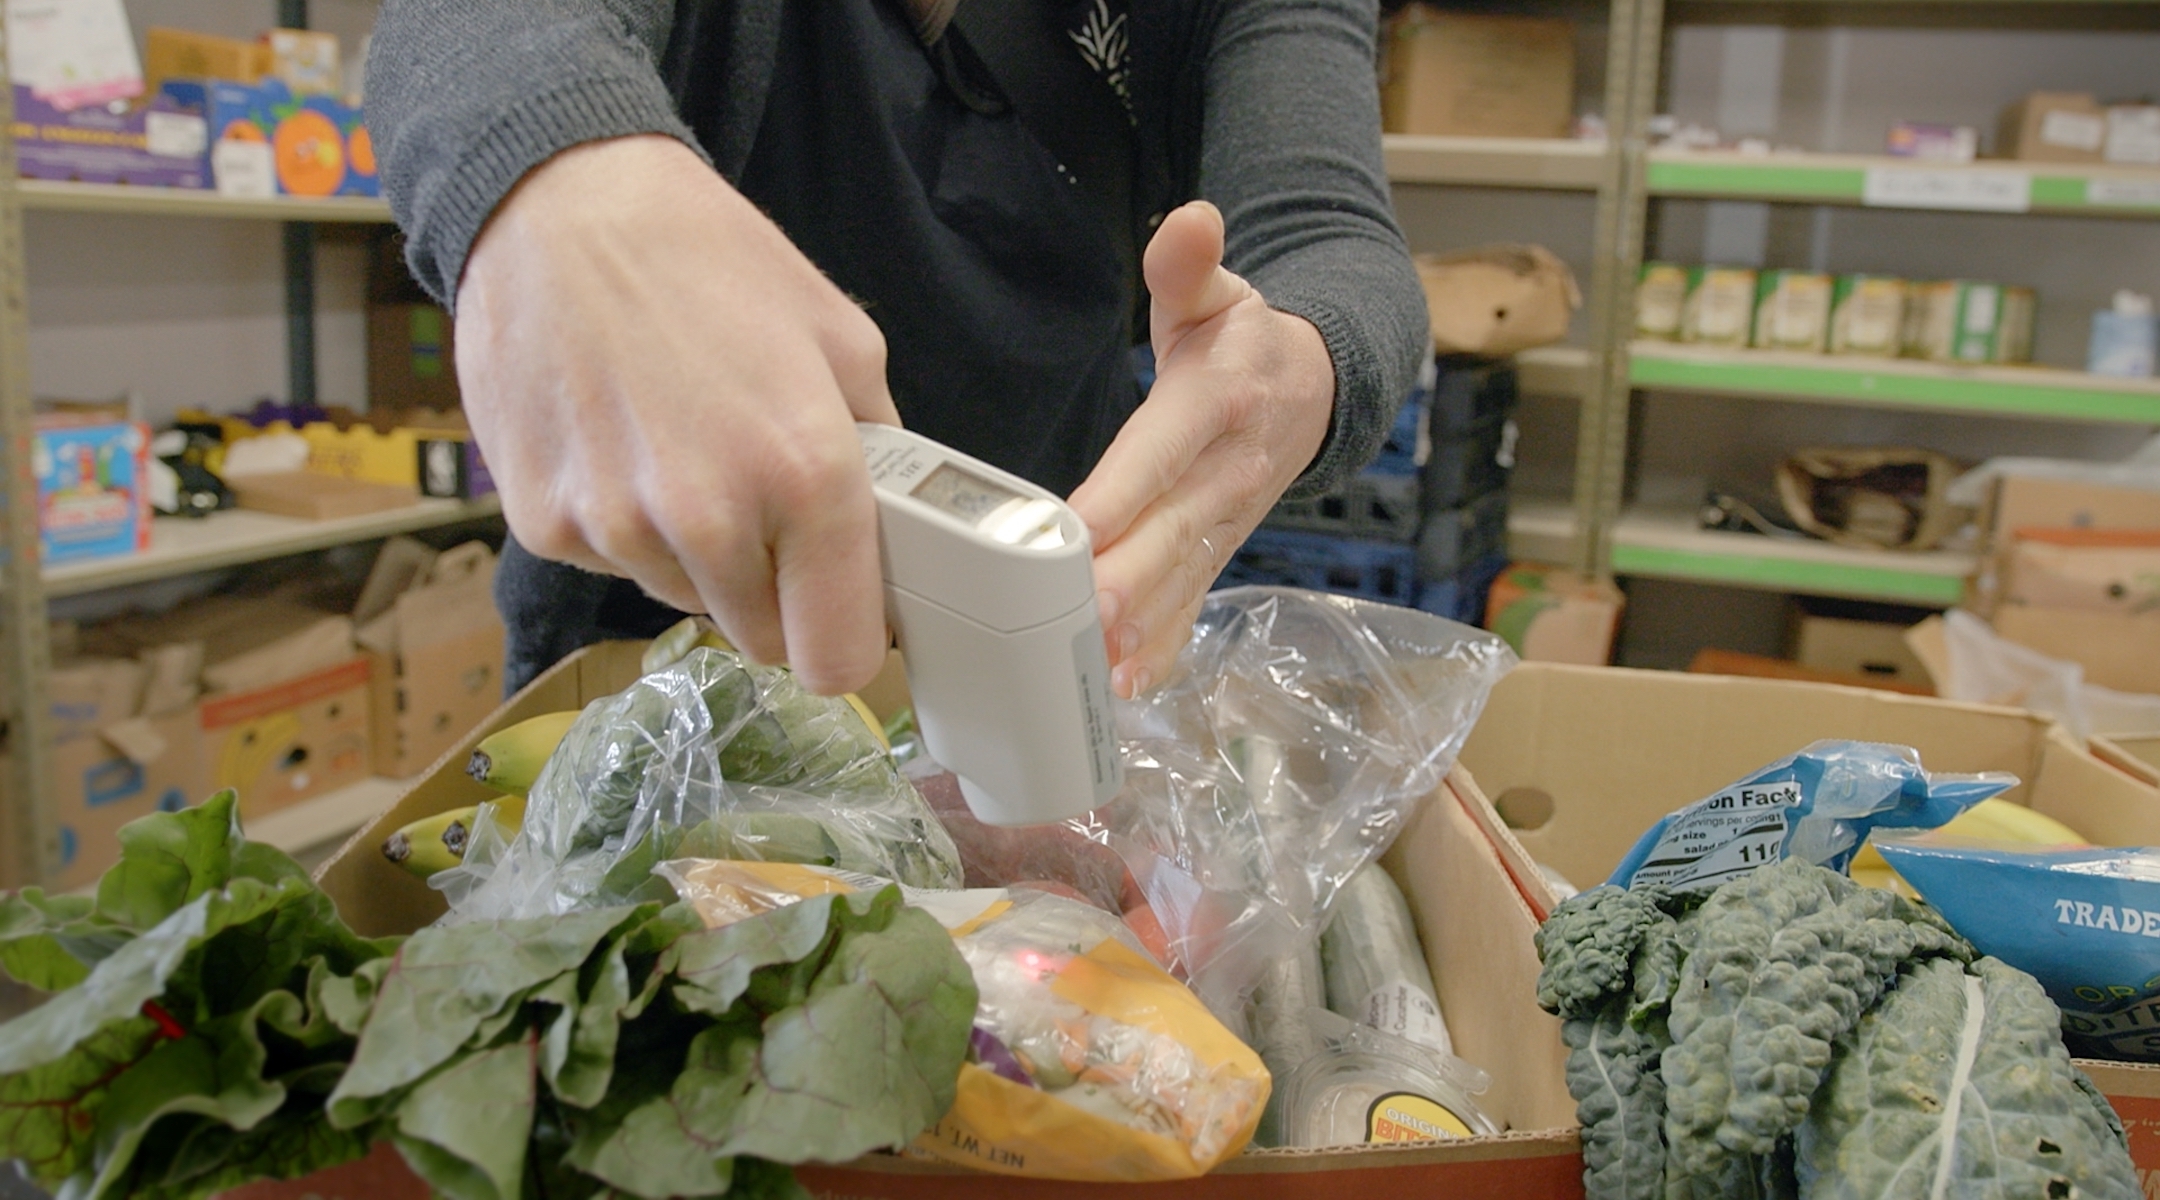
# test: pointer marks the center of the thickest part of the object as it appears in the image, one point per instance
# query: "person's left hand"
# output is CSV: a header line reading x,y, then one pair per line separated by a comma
x,y
1242,399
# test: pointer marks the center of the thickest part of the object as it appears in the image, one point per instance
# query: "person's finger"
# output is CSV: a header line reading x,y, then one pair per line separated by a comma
x,y
1151,667
1174,552
832,594
855,350
1186,282
1178,421
730,572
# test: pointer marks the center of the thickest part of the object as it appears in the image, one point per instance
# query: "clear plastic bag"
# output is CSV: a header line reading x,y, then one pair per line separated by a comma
x,y
1295,736
713,757
1987,668
1088,1062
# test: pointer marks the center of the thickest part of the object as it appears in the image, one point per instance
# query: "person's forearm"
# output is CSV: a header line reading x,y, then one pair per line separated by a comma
x,y
1292,157
467,96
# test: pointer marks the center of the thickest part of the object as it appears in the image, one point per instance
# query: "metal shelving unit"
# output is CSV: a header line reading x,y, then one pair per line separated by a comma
x,y
1667,545
179,546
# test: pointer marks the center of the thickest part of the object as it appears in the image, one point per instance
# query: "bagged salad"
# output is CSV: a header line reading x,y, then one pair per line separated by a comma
x,y
2084,921
1088,1061
1818,805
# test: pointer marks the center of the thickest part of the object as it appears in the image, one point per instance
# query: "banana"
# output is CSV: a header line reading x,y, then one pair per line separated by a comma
x,y
509,760
877,728
678,641
432,844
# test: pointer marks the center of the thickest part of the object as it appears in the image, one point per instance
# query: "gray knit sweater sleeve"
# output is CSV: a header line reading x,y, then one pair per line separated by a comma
x,y
1291,154
468,97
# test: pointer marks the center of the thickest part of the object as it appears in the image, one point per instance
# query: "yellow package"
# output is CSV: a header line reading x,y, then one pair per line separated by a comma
x,y
1089,1061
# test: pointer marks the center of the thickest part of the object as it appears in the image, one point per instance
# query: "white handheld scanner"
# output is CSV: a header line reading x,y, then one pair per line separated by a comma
x,y
990,588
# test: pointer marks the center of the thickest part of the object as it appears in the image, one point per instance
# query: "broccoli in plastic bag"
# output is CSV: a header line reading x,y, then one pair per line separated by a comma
x,y
1817,805
711,756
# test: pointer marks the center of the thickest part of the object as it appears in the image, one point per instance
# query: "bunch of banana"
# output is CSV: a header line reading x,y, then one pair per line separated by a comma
x,y
680,639
438,843
1995,820
509,760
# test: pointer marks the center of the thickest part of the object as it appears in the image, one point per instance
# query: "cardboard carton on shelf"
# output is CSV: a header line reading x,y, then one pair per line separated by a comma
x,y
1872,649
2058,127
1472,913
104,779
314,496
1713,661
434,646
158,143
185,54
1464,74
1551,614
284,713
93,493
2030,502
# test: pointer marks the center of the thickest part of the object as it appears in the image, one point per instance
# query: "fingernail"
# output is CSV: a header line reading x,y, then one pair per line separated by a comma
x,y
1109,607
1128,641
1140,679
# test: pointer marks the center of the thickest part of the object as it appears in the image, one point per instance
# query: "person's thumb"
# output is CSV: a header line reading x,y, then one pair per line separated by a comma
x,y
1185,277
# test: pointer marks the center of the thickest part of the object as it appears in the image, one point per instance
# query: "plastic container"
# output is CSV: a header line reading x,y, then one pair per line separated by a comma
x,y
1462,468
1369,570
1467,391
1366,1089
1367,505
1451,539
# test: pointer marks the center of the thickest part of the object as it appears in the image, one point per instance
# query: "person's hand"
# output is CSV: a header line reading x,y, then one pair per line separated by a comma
x,y
1241,404
667,390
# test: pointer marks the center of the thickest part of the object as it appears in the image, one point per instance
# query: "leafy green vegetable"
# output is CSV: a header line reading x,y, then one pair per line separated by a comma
x,y
1707,1035
1959,1085
1779,964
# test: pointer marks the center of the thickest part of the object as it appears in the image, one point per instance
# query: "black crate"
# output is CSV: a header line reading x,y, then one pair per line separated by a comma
x,y
1461,469
1367,506
1462,596
1452,539
1468,391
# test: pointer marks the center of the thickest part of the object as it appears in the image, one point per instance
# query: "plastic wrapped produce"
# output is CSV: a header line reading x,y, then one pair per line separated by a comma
x,y
709,756
1088,1061
1293,739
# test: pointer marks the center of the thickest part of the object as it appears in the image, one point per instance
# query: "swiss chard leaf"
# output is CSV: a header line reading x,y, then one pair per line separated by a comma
x,y
466,1128
447,982
51,942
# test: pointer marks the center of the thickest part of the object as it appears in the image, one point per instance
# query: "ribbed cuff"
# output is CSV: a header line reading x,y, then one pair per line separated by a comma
x,y
1363,408
450,216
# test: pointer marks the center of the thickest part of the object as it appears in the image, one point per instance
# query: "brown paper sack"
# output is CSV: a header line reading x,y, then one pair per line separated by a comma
x,y
1497,300
1890,499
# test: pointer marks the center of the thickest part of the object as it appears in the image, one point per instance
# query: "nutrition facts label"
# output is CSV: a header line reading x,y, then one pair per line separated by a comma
x,y
1729,834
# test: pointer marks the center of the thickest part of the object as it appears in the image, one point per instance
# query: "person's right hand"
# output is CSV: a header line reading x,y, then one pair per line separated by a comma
x,y
667,390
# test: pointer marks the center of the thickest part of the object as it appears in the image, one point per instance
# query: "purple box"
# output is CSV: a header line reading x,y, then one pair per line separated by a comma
x,y
155,145
451,467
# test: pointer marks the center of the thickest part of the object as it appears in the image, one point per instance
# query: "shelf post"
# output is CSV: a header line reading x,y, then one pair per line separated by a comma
x,y
33,842
1631,74
299,270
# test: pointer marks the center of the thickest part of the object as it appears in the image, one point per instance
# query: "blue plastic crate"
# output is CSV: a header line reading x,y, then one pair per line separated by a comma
x,y
1383,507
1462,596
1383,571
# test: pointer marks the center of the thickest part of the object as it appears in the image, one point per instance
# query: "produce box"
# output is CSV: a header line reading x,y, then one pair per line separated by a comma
x,y
1453,73
1581,760
104,780
435,650
290,741
1872,648
1472,913
2068,127
92,487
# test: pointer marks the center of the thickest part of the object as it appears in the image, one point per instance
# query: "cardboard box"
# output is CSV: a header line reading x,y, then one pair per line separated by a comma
x,y
2133,135
2029,502
290,741
2063,127
87,693
1452,73
1550,614
411,363
2117,650
435,651
314,496
1875,649
1712,661
185,54
105,780
306,60
2093,570
158,144
265,140
92,487
1582,760
1471,910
